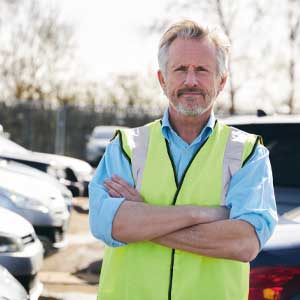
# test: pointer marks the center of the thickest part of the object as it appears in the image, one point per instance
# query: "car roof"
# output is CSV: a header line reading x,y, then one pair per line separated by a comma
x,y
253,119
107,127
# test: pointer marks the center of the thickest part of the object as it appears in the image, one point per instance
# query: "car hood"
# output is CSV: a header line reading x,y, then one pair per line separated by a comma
x,y
13,224
11,150
10,288
29,187
28,156
80,167
34,173
286,235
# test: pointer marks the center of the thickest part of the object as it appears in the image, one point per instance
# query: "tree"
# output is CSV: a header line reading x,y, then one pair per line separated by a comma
x,y
135,93
230,17
37,50
293,17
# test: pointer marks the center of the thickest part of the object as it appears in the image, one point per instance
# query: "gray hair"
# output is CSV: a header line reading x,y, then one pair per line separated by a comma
x,y
188,29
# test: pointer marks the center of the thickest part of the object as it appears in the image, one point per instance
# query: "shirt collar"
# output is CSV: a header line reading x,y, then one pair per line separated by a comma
x,y
207,130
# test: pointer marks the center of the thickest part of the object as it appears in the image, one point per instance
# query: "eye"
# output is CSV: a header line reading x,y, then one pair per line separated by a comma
x,y
201,69
180,69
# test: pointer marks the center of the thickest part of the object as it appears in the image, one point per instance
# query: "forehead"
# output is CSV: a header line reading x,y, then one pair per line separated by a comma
x,y
192,52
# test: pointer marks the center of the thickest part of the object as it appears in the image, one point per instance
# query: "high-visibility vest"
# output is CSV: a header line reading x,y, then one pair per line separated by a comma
x,y
148,271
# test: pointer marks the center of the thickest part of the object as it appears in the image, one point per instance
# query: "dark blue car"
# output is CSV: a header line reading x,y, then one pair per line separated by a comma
x,y
275,273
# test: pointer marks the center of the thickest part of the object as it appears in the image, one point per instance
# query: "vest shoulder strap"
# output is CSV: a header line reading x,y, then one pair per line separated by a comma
x,y
239,149
134,143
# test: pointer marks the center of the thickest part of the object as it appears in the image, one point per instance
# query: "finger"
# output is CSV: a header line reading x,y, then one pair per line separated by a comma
x,y
132,192
113,193
123,183
111,190
117,188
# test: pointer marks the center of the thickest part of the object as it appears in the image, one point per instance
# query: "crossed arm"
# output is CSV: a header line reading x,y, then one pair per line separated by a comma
x,y
197,229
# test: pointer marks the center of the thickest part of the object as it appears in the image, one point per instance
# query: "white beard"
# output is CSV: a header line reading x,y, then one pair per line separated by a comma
x,y
199,110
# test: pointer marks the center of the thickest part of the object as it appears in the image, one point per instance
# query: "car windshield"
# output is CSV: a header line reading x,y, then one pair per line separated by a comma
x,y
104,133
7,146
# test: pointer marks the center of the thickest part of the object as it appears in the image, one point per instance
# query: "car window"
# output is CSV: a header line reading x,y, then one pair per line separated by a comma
x,y
283,142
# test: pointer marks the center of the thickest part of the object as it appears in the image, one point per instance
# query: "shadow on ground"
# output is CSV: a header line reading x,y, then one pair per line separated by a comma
x,y
91,273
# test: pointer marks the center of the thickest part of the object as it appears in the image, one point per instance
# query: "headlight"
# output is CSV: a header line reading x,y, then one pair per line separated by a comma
x,y
57,172
28,203
10,244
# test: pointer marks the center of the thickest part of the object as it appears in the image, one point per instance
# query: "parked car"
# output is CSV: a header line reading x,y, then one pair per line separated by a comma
x,y
35,173
281,136
38,201
98,141
275,273
74,173
21,252
10,288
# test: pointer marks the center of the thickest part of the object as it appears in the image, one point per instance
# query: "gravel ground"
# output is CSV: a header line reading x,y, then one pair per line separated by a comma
x,y
72,273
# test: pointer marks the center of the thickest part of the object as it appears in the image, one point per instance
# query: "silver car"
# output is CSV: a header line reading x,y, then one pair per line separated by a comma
x,y
38,201
21,252
98,141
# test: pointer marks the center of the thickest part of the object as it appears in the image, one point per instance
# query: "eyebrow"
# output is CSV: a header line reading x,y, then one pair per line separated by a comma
x,y
201,68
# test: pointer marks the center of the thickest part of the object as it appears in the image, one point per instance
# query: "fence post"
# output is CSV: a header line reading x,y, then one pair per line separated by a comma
x,y
60,133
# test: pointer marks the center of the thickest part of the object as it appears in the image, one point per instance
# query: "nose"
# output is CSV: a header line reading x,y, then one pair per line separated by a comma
x,y
190,79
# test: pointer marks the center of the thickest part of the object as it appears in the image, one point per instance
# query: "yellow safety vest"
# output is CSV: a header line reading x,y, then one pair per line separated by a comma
x,y
148,271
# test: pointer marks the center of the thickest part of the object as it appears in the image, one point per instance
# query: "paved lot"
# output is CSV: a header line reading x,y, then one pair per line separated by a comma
x,y
72,273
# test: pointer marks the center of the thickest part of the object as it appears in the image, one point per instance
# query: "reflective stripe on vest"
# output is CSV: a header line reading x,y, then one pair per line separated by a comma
x,y
148,271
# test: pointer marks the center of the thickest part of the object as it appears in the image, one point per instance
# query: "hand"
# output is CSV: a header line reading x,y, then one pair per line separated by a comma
x,y
117,187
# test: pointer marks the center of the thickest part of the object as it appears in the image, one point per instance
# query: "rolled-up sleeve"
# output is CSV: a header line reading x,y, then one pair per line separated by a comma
x,y
102,207
251,195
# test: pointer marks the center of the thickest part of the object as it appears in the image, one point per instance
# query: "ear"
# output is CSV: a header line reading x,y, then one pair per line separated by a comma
x,y
161,80
222,83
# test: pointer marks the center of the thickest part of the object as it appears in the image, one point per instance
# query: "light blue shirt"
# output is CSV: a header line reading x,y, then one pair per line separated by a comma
x,y
250,195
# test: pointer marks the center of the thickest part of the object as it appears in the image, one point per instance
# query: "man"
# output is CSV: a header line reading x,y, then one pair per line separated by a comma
x,y
186,202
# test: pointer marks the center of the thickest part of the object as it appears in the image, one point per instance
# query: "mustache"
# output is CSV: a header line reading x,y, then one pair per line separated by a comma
x,y
191,90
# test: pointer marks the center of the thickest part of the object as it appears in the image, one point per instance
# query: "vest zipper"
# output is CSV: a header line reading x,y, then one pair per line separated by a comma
x,y
178,186
171,275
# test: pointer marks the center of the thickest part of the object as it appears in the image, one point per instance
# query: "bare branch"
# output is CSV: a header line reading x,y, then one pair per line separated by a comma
x,y
37,47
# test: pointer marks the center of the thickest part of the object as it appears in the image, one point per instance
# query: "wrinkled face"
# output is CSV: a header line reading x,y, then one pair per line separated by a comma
x,y
191,82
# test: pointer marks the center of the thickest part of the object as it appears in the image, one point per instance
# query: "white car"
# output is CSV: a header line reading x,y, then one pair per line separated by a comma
x,y
21,252
38,201
35,173
74,173
10,288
